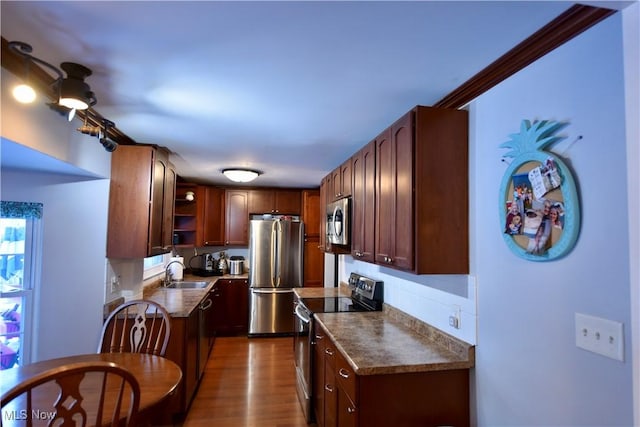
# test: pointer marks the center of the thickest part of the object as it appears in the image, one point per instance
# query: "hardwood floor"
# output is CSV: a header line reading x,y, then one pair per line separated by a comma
x,y
250,383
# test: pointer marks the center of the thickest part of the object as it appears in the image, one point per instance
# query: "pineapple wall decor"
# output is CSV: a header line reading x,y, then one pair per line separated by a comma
x,y
539,206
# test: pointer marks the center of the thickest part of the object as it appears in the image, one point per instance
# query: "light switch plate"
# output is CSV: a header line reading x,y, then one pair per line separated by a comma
x,y
600,336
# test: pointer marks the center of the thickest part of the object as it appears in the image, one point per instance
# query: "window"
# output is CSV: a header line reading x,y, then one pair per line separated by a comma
x,y
155,265
19,266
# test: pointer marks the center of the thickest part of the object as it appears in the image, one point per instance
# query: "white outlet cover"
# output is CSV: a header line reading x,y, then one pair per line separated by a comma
x,y
601,336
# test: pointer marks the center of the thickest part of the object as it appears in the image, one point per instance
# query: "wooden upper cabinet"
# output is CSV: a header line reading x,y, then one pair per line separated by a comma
x,y
285,202
213,217
237,217
311,212
141,202
322,212
422,193
261,201
341,181
313,253
363,203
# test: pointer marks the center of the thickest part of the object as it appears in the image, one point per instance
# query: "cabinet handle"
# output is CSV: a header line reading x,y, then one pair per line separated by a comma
x,y
319,337
344,373
329,388
328,351
351,409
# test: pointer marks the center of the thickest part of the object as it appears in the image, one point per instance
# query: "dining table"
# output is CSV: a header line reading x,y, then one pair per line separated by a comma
x,y
157,376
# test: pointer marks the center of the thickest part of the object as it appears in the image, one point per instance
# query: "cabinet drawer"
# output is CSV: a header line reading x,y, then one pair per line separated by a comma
x,y
346,377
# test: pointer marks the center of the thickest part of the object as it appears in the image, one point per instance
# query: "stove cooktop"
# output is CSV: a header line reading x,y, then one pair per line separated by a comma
x,y
333,305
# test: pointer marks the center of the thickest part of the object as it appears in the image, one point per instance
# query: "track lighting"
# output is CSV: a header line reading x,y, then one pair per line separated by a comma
x,y
73,92
101,132
69,113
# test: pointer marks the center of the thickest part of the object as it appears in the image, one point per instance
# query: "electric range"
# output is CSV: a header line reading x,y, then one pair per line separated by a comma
x,y
366,295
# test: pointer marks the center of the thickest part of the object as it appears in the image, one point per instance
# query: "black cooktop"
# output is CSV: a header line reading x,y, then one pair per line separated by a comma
x,y
333,305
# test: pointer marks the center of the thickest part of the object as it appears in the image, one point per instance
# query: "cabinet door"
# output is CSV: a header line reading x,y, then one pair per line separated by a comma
x,y
394,206
363,203
163,190
336,188
313,263
346,409
231,315
238,305
385,172
330,396
402,142
261,201
345,178
237,218
213,221
318,403
322,212
168,210
156,206
287,202
311,212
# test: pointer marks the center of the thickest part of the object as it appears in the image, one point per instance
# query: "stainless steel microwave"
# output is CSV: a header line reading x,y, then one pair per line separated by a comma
x,y
338,221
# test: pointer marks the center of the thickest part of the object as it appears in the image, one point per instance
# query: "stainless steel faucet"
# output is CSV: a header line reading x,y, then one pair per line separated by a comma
x,y
167,275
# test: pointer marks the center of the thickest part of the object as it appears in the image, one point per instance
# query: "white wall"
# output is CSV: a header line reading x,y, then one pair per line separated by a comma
x,y
528,370
631,28
71,292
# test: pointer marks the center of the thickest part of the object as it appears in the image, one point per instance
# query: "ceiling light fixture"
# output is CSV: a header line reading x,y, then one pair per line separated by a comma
x,y
240,174
73,92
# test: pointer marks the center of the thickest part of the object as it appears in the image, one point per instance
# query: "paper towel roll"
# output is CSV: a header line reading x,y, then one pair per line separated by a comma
x,y
176,269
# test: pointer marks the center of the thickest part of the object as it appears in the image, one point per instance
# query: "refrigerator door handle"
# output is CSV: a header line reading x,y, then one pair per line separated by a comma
x,y
274,253
279,253
271,291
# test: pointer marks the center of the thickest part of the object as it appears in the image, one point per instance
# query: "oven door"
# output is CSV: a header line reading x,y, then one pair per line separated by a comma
x,y
303,353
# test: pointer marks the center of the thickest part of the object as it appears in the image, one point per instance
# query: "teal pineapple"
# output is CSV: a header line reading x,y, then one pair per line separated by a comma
x,y
538,188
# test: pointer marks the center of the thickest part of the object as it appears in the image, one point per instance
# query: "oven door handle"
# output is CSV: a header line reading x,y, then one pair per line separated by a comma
x,y
302,315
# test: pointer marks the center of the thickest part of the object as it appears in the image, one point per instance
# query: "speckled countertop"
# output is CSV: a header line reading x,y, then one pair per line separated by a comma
x,y
342,290
181,302
391,342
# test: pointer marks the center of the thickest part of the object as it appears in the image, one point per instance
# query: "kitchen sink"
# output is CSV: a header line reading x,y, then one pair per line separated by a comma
x,y
188,285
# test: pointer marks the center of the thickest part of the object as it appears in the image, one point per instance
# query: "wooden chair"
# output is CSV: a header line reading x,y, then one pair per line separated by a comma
x,y
79,394
138,326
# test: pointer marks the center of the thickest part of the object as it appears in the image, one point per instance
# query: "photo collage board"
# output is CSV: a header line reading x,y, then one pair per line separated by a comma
x,y
535,206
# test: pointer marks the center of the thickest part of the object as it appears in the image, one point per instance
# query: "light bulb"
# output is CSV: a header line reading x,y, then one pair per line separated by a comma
x,y
24,94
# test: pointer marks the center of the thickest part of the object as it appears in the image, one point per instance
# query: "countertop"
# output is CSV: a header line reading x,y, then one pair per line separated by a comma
x,y
392,342
181,302
342,290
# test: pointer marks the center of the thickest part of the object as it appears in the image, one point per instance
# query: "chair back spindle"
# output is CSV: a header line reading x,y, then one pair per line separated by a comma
x,y
138,326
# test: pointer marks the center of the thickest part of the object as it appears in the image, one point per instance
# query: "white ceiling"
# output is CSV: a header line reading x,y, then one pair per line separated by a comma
x,y
288,88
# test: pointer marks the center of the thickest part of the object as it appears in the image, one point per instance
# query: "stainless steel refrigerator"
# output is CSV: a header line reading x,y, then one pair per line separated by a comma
x,y
276,249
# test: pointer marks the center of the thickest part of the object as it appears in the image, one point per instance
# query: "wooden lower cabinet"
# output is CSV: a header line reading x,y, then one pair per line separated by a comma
x,y
421,399
231,303
183,350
